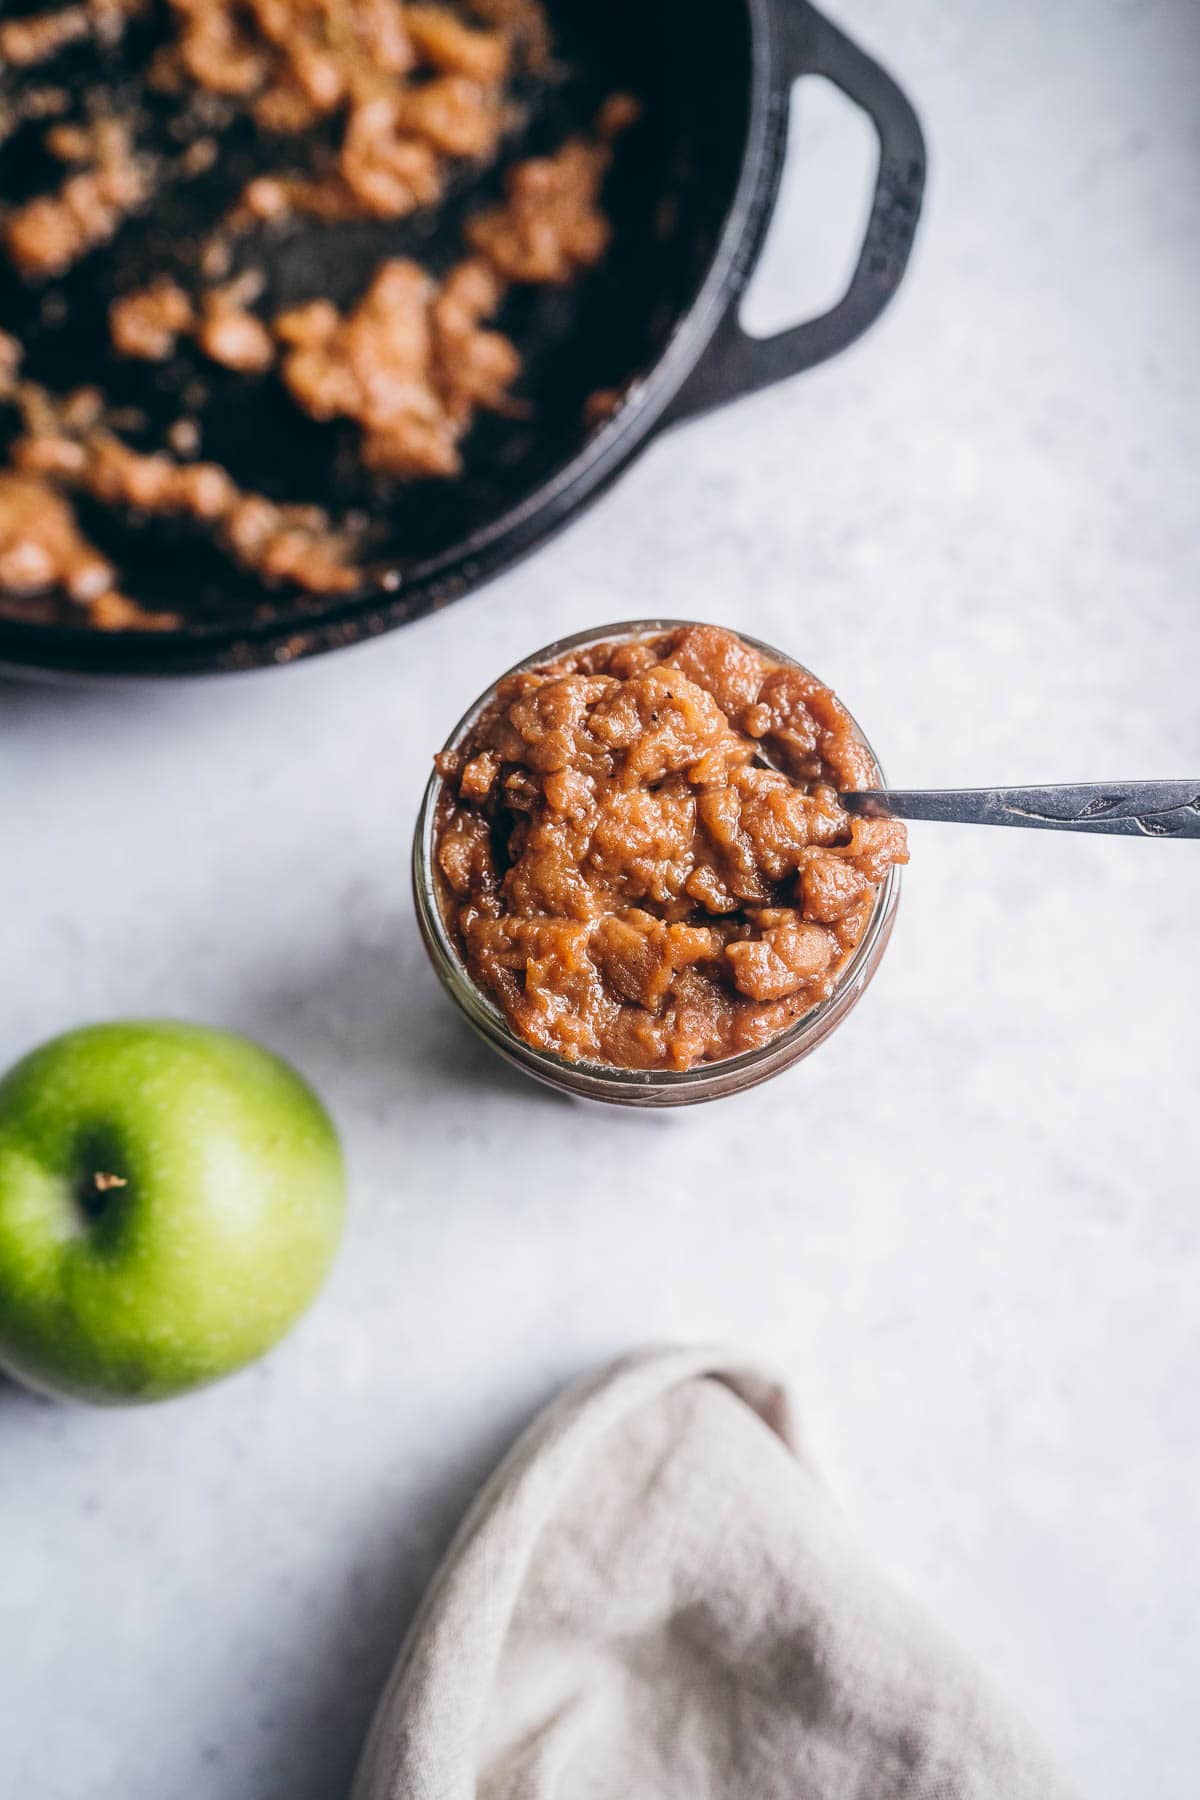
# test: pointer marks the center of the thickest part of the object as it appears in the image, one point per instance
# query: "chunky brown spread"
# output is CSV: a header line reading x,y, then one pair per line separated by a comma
x,y
69,441
410,363
49,233
35,37
361,110
413,86
642,855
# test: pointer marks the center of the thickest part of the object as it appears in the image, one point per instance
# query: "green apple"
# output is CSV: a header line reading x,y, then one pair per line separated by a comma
x,y
171,1198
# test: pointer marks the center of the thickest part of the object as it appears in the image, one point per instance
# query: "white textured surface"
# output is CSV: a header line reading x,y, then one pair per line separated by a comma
x,y
966,1231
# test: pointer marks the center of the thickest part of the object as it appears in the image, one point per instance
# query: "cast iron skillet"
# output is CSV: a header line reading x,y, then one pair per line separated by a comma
x,y
691,197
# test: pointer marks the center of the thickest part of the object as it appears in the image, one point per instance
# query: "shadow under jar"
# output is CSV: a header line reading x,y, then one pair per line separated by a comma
x,y
602,1080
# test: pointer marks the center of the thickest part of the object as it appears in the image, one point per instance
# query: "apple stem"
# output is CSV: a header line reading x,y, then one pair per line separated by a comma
x,y
95,1189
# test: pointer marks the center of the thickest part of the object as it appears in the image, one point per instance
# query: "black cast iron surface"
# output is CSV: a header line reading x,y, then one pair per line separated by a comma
x,y
690,197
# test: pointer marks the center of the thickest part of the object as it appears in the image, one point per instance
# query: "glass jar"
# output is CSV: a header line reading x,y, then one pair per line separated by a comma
x,y
597,1081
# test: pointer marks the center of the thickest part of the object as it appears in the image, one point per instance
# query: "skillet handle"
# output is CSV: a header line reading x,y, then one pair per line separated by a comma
x,y
734,363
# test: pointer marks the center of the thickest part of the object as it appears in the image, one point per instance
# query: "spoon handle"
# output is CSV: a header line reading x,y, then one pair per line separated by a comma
x,y
1127,809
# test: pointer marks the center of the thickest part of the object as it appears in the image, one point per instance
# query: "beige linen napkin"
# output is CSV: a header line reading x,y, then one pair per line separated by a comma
x,y
655,1598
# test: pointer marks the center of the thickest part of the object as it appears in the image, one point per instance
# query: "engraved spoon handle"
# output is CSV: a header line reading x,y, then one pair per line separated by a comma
x,y
1127,809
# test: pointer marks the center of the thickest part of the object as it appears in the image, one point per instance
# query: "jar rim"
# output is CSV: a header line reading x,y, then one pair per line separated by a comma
x,y
609,1081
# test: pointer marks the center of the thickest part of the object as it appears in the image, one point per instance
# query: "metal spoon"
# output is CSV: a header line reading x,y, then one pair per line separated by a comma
x,y
1126,809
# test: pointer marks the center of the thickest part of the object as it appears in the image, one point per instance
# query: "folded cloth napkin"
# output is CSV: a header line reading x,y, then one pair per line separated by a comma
x,y
655,1598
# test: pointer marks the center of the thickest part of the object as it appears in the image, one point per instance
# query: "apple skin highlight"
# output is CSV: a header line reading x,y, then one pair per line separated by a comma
x,y
171,1199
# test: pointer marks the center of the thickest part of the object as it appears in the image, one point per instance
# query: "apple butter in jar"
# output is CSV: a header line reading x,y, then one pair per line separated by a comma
x,y
633,849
